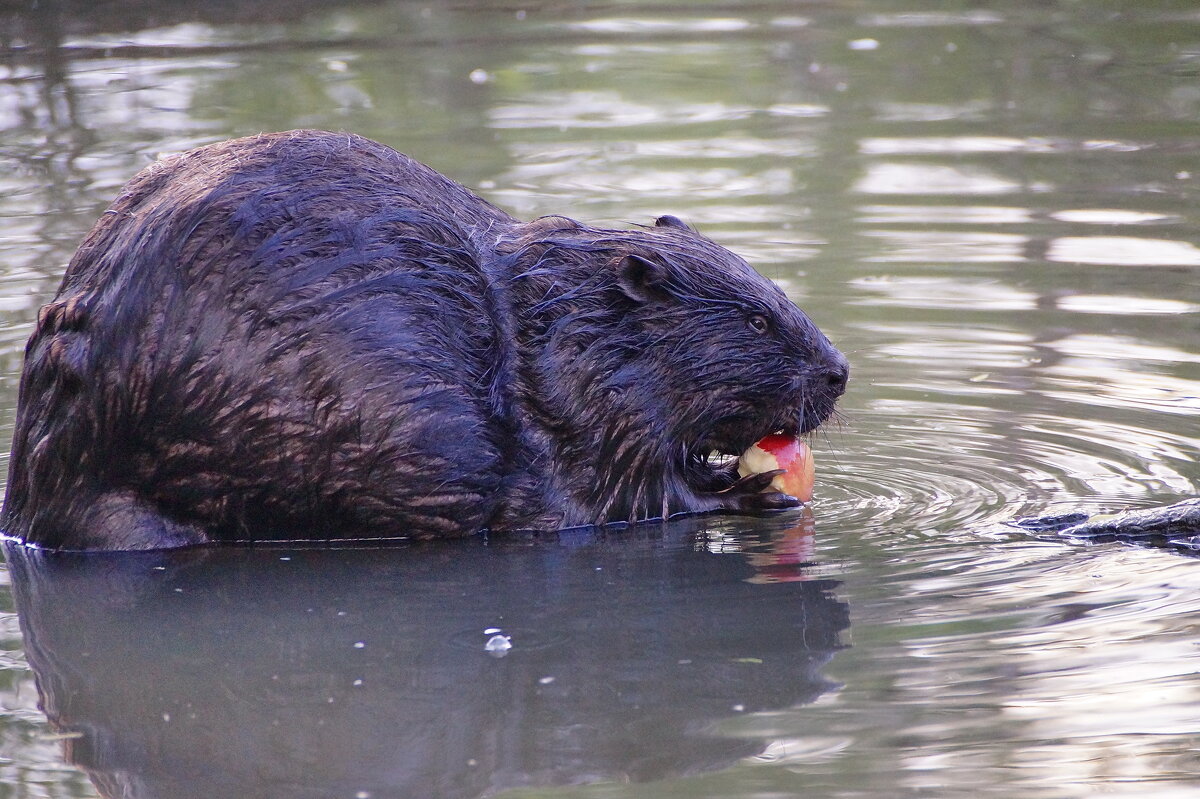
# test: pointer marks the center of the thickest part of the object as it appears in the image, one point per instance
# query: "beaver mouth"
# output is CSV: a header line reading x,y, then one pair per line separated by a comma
x,y
716,454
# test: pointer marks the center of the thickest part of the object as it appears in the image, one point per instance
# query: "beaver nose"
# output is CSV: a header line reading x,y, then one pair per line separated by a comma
x,y
836,372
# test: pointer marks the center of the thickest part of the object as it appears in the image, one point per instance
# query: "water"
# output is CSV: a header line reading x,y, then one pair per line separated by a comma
x,y
990,208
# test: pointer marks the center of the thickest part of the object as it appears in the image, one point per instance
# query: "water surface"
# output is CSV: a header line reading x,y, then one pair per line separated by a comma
x,y
990,208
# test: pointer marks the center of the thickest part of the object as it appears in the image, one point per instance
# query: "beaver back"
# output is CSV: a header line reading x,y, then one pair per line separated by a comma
x,y
286,335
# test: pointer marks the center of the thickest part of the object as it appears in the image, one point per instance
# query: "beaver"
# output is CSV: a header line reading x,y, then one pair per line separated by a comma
x,y
308,335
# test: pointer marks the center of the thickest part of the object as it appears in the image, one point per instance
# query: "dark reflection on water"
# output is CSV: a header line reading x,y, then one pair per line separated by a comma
x,y
365,672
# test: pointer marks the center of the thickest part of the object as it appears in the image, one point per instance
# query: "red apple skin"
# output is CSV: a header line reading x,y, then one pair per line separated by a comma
x,y
796,459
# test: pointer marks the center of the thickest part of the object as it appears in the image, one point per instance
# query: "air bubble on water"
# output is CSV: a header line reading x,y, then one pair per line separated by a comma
x,y
479,76
498,645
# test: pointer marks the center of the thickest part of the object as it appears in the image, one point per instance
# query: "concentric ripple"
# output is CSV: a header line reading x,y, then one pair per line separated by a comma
x,y
910,472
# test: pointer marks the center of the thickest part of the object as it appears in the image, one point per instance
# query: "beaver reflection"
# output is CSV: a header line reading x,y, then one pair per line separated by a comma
x,y
362,672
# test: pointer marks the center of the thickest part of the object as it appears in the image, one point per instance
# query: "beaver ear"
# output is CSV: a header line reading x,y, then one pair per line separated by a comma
x,y
671,221
548,224
641,279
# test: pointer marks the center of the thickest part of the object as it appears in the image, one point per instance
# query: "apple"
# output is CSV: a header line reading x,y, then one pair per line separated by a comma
x,y
778,451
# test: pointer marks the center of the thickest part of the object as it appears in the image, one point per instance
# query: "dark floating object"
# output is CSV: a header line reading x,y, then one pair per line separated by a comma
x,y
1173,526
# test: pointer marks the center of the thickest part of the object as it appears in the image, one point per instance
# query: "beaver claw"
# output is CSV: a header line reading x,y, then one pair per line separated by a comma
x,y
754,482
769,500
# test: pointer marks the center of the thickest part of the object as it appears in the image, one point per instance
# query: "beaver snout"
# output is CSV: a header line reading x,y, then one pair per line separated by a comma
x,y
823,376
818,387
835,372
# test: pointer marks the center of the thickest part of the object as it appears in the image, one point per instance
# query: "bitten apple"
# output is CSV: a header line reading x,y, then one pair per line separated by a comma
x,y
778,451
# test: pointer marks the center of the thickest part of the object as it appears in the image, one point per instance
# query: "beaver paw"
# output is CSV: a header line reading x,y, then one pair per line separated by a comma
x,y
751,494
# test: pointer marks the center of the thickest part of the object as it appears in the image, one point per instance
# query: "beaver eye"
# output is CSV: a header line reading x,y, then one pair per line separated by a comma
x,y
758,323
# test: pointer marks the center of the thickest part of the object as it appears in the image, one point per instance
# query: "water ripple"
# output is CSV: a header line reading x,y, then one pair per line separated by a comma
x,y
1123,251
929,471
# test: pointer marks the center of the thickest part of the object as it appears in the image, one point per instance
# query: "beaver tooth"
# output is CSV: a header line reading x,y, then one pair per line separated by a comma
x,y
717,459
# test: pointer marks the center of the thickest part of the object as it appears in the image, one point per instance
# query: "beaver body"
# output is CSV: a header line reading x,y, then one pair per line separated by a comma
x,y
308,335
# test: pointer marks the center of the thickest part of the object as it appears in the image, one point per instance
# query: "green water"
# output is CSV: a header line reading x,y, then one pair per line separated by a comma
x,y
990,207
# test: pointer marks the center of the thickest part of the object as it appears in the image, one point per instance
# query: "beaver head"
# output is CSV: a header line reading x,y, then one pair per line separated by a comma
x,y
647,351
